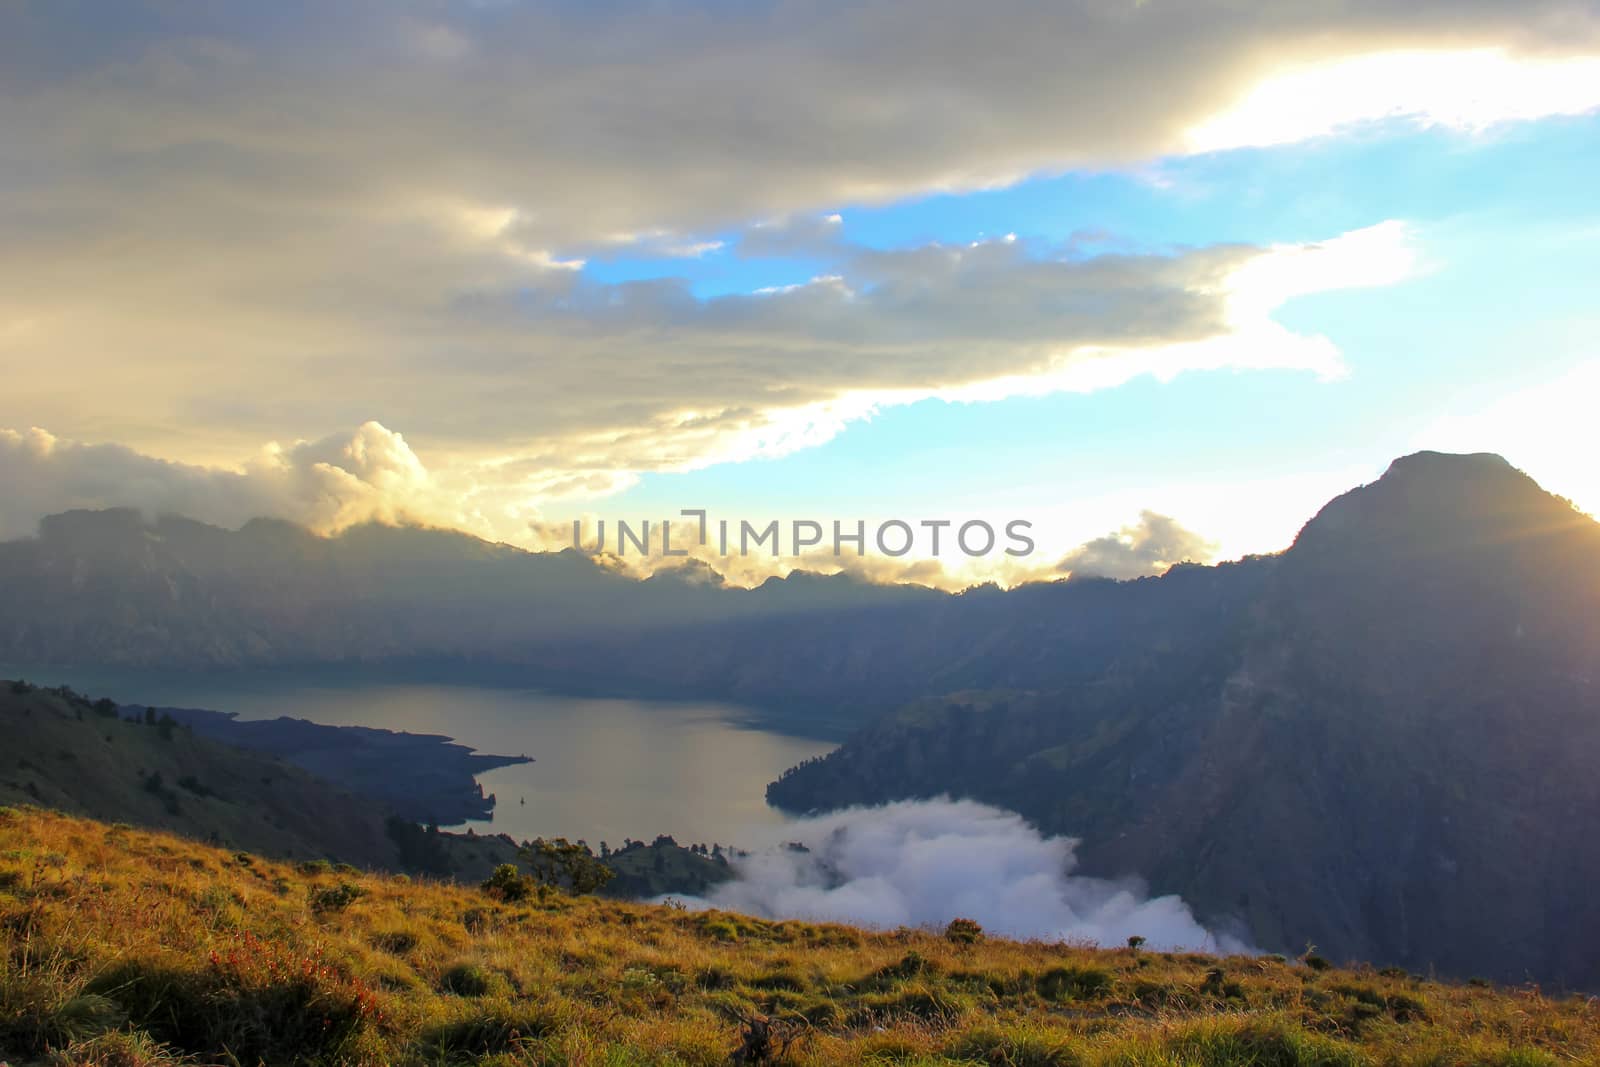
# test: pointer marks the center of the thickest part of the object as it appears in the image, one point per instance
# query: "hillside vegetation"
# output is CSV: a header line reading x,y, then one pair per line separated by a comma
x,y
68,752
122,946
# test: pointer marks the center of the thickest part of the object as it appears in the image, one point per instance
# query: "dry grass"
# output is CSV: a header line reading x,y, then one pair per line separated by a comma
x,y
127,947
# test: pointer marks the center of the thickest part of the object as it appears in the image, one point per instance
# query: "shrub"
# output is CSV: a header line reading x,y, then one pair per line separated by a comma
x,y
963,932
396,942
334,898
1014,1049
714,978
1074,983
84,1017
1225,1042
509,884
258,1002
908,966
494,1032
466,979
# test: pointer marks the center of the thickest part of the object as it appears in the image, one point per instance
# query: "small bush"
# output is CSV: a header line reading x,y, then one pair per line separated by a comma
x,y
259,1002
466,979
908,966
395,942
1074,983
334,898
509,884
495,1032
963,932
1014,1049
714,978
1226,1042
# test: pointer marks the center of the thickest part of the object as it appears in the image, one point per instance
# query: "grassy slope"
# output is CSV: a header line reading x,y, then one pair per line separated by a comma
x,y
59,752
231,958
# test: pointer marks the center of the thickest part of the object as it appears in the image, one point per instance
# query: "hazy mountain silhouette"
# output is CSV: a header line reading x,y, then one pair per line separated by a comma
x,y
1389,752
110,587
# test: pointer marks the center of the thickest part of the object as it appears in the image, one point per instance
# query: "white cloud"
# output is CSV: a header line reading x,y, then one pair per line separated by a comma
x,y
924,863
1150,546
327,484
1467,90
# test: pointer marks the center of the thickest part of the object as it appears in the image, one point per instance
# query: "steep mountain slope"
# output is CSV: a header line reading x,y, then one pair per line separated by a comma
x,y
1391,753
66,753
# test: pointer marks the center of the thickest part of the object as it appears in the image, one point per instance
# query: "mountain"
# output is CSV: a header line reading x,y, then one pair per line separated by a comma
x,y
1388,750
67,753
109,588
1380,740
130,947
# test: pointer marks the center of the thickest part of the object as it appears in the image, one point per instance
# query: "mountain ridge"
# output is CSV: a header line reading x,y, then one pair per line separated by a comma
x,y
1384,752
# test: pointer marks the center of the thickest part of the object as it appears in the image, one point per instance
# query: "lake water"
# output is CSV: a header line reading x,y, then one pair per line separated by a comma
x,y
603,770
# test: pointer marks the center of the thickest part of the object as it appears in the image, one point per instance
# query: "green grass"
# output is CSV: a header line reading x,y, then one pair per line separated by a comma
x,y
121,946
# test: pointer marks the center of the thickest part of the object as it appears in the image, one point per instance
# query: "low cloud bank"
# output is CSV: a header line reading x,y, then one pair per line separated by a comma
x,y
1150,546
923,863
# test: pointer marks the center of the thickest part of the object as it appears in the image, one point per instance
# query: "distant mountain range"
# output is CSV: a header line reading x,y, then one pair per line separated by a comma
x,y
112,589
1382,740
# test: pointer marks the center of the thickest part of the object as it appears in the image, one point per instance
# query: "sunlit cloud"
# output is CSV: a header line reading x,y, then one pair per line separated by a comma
x,y
648,378
1465,90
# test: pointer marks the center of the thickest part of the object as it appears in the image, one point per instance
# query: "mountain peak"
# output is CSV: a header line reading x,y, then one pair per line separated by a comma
x,y
1448,464
1429,501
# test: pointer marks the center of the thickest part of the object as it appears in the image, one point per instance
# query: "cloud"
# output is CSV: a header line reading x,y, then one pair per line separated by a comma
x,y
1469,90
371,475
548,385
1152,545
923,863
230,224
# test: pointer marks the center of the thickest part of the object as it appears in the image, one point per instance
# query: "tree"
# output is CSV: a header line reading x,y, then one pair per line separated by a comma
x,y
508,883
565,865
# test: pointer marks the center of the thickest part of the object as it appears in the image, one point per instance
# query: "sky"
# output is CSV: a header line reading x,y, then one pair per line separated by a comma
x,y
1159,279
